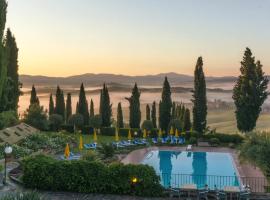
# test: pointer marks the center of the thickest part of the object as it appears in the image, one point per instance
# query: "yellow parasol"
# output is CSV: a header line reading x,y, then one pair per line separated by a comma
x,y
67,152
95,136
81,143
176,133
144,134
129,135
116,135
160,133
171,131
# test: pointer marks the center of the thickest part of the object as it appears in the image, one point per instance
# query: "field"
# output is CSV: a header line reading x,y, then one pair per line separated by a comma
x,y
224,121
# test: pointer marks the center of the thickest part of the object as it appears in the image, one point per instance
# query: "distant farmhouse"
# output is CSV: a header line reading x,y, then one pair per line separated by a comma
x,y
16,133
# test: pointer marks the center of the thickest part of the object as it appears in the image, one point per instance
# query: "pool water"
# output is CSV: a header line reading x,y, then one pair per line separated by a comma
x,y
177,168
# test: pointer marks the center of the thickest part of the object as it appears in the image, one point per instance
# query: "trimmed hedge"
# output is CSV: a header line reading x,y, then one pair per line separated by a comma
x,y
46,173
123,132
108,131
225,138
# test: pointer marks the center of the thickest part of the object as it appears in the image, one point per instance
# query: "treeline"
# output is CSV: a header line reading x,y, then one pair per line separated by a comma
x,y
60,112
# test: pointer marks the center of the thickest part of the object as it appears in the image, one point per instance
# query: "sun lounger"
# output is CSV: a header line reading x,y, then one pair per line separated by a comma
x,y
181,140
189,147
155,140
138,142
174,140
117,144
163,140
90,146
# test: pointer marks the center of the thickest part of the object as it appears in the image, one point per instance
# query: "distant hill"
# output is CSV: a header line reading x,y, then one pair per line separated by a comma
x,y
90,79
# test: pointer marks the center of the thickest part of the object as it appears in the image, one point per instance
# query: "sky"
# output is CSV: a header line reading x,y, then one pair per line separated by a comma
x,y
136,37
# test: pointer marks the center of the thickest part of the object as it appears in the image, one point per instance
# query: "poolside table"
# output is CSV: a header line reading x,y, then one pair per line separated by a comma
x,y
231,190
188,188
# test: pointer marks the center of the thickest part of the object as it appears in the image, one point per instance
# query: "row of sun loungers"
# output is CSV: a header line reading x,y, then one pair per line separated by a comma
x,y
170,140
124,143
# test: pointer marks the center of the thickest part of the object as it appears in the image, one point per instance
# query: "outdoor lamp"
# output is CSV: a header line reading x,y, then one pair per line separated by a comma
x,y
7,151
134,180
135,133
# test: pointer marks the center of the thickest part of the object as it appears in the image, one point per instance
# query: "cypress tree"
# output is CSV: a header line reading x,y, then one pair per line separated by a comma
x,y
120,120
3,58
159,114
13,93
187,121
105,107
154,115
51,106
199,98
68,107
34,99
83,106
249,93
165,105
173,110
134,108
148,112
92,111
60,103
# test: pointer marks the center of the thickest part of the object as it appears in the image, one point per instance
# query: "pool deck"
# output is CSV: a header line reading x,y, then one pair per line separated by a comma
x,y
244,169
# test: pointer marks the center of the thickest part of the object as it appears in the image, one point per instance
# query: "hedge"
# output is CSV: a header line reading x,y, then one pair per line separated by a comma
x,y
226,138
46,173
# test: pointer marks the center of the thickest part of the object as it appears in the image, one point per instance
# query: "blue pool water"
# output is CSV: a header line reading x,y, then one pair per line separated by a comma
x,y
177,168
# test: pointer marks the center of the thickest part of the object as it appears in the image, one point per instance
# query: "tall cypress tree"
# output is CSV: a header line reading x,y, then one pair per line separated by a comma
x,y
165,105
92,111
51,105
34,99
173,110
68,107
148,112
134,108
249,93
83,105
60,103
105,107
3,57
187,121
120,120
13,84
199,98
154,115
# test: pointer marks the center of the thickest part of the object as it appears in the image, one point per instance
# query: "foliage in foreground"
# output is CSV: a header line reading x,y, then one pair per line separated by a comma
x,y
22,196
256,149
46,173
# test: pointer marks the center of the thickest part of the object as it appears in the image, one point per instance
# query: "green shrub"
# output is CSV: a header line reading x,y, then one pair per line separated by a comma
x,y
8,118
87,130
46,173
68,128
22,196
123,132
17,151
214,142
90,156
108,131
147,125
95,121
1,168
76,120
55,122
106,150
226,138
193,140
36,117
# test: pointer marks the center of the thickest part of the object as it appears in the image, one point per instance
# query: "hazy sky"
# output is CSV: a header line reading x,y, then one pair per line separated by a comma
x,y
65,37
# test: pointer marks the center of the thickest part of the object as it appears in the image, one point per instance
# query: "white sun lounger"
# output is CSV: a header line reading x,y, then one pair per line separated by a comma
x,y
189,147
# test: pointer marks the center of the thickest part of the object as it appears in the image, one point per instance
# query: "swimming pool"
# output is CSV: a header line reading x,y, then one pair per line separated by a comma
x,y
177,168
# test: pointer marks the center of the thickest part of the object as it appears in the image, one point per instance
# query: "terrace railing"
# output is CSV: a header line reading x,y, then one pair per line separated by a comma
x,y
256,184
